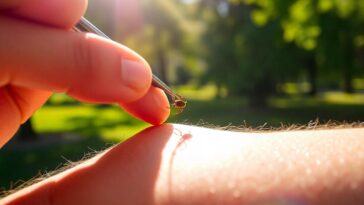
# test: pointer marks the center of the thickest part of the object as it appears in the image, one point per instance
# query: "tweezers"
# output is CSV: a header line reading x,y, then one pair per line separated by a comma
x,y
177,101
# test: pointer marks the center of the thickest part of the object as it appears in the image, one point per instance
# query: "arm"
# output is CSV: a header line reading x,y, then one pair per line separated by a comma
x,y
178,164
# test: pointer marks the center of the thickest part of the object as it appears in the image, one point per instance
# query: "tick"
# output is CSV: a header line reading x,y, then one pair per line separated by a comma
x,y
179,105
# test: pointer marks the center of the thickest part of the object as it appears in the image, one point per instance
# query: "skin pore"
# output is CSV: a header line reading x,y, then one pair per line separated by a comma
x,y
180,164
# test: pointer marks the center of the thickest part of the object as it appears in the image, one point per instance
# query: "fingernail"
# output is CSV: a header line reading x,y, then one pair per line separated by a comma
x,y
134,74
160,102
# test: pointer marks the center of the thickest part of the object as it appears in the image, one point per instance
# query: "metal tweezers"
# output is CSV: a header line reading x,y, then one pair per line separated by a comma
x,y
178,101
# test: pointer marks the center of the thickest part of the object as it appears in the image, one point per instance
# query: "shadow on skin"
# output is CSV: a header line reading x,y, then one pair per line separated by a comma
x,y
124,169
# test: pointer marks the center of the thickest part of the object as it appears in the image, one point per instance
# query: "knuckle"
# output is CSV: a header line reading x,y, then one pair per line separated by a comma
x,y
84,57
81,53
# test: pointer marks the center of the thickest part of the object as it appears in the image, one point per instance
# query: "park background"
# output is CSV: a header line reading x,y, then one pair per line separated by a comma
x,y
249,63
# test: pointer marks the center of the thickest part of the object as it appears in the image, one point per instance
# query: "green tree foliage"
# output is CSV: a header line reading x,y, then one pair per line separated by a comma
x,y
254,44
246,58
332,30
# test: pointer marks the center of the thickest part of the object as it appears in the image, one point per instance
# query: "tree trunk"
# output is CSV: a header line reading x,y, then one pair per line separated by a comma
x,y
348,86
258,97
161,57
312,75
348,61
162,62
218,91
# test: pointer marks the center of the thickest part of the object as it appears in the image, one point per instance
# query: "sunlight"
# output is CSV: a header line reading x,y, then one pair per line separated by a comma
x,y
127,17
188,1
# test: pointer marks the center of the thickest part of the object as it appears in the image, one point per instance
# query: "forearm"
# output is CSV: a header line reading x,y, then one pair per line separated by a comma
x,y
175,164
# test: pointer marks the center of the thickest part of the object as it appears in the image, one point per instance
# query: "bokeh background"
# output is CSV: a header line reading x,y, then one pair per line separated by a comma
x,y
239,62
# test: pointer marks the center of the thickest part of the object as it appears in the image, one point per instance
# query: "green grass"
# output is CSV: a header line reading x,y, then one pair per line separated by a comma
x,y
101,126
287,111
108,122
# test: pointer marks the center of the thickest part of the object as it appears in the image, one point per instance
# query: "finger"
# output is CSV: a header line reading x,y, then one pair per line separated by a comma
x,y
9,4
16,106
152,108
59,13
28,100
9,116
87,67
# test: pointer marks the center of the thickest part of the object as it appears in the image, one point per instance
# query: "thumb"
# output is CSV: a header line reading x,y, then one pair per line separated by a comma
x,y
86,66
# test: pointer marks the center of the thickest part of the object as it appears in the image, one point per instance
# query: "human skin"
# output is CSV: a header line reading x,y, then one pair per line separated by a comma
x,y
167,164
180,164
39,55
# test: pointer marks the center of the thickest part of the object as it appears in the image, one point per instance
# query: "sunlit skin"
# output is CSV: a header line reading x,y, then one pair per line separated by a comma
x,y
179,164
39,54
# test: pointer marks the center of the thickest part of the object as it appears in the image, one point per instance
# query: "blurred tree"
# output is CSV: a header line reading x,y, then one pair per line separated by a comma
x,y
183,76
164,20
254,44
326,28
219,45
245,58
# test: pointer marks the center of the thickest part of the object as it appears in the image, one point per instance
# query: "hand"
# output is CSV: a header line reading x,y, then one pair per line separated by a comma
x,y
39,54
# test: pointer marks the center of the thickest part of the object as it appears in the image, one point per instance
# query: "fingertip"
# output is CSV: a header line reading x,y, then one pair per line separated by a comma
x,y
153,108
